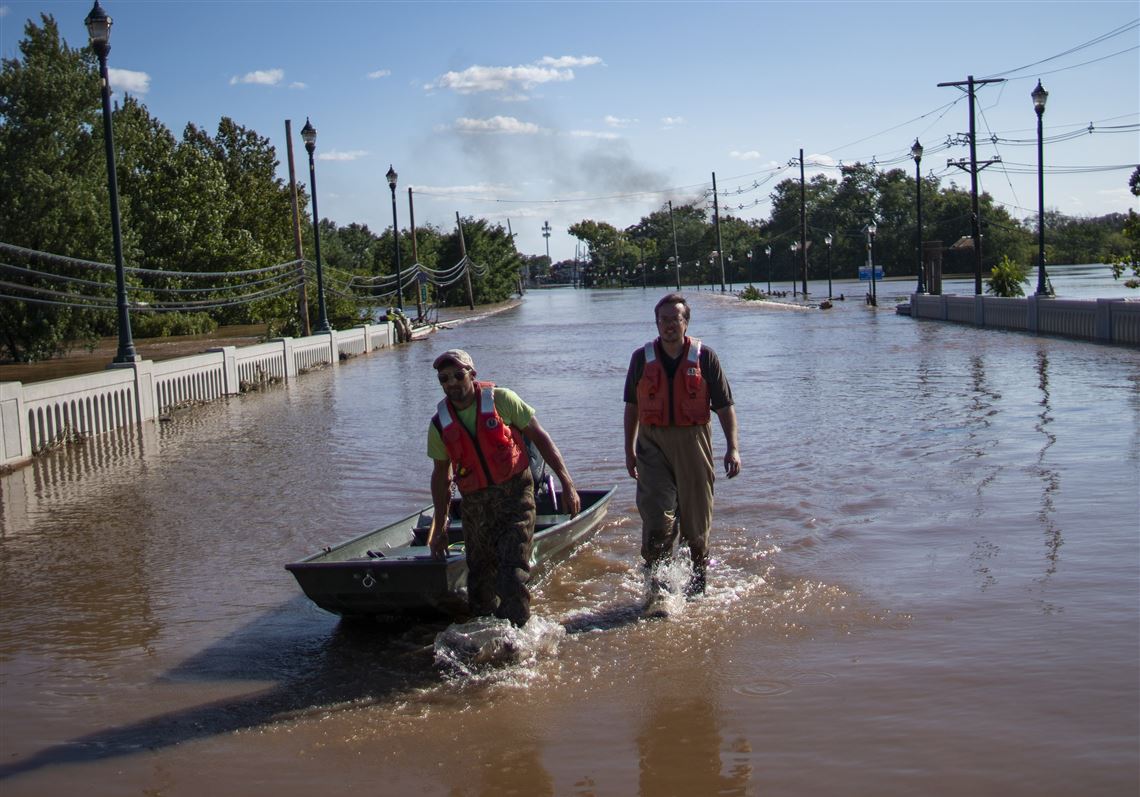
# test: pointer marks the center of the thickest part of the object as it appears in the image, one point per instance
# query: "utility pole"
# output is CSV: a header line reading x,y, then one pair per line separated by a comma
x,y
466,263
524,274
420,276
803,225
719,248
974,168
676,255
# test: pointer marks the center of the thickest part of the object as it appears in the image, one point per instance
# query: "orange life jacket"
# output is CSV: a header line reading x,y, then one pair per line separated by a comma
x,y
496,451
688,395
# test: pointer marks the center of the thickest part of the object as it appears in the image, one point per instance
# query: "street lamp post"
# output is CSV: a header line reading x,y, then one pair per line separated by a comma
x,y
1039,96
795,247
768,251
391,175
99,31
309,136
871,230
827,240
749,268
730,273
916,153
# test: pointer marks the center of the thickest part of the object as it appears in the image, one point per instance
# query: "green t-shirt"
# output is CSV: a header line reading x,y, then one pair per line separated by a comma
x,y
512,409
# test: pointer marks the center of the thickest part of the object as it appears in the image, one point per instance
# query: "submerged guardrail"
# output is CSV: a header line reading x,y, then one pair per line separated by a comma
x,y
39,415
1102,320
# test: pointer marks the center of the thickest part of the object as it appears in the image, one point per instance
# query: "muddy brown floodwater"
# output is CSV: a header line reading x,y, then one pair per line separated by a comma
x,y
925,580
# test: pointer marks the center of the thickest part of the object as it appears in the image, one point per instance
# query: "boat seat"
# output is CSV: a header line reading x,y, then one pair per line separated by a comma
x,y
420,533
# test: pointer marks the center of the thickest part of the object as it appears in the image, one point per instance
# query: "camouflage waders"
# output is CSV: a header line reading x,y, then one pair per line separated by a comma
x,y
498,530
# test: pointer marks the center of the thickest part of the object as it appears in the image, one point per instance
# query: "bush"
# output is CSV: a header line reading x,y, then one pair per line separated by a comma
x,y
752,294
1007,278
162,325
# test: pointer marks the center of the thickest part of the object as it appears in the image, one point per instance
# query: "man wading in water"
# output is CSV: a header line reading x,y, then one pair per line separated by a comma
x,y
476,436
673,386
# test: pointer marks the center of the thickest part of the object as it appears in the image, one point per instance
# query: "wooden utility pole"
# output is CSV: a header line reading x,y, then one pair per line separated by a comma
x,y
803,226
520,278
466,263
302,296
719,249
676,255
975,214
416,257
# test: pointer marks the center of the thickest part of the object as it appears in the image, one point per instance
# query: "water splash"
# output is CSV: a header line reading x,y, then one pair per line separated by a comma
x,y
487,644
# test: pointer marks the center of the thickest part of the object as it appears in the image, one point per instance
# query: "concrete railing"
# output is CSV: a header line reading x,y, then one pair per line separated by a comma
x,y
38,415
1101,320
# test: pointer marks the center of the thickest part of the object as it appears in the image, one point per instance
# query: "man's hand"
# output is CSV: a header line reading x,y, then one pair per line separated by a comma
x,y
732,463
437,542
571,503
631,464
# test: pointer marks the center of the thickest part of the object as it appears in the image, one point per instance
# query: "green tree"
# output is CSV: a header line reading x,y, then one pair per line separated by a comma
x,y
1127,258
495,263
1008,278
52,167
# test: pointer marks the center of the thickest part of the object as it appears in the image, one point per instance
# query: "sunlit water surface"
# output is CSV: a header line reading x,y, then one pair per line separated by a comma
x,y
925,580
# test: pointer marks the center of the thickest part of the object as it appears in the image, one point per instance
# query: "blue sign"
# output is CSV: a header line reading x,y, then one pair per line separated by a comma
x,y
865,273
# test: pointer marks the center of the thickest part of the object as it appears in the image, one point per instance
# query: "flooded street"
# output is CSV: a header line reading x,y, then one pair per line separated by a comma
x,y
926,580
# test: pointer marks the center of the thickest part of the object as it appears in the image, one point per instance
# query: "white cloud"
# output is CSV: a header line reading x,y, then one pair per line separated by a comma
x,y
475,79
4,11
260,77
672,121
128,80
379,73
336,155
298,85
818,160
496,124
593,134
750,155
614,121
567,61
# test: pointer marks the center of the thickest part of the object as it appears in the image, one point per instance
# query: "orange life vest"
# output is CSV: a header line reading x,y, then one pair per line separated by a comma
x,y
688,395
496,451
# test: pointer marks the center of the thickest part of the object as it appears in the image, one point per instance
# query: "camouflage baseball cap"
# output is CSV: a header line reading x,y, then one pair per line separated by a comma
x,y
455,356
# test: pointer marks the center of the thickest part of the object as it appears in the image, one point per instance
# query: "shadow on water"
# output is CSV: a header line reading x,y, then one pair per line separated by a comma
x,y
315,671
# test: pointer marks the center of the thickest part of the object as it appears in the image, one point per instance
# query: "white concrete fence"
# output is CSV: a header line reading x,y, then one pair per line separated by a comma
x,y
36,416
1101,320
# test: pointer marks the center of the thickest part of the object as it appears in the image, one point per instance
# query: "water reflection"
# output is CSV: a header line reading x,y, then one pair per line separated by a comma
x,y
680,749
1050,477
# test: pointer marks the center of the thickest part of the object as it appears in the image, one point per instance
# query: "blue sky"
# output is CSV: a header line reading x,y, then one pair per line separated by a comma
x,y
536,111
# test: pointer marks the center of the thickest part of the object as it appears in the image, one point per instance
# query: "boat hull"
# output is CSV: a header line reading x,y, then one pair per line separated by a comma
x,y
390,571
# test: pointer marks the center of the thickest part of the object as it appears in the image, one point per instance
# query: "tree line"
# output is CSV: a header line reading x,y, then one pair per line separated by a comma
x,y
204,204
842,209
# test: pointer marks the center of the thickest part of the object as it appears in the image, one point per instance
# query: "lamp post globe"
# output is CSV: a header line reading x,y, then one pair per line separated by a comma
x,y
1040,95
391,175
309,136
99,32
